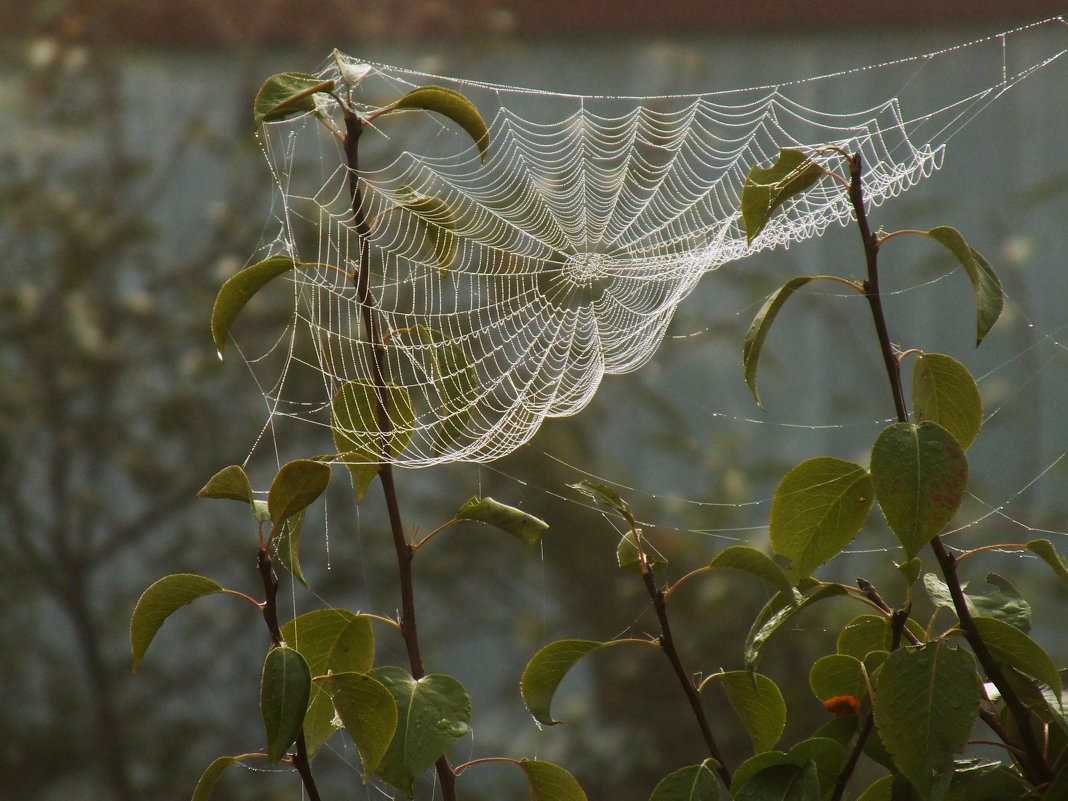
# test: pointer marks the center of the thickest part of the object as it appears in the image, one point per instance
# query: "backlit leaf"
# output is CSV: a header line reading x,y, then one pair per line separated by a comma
x,y
759,328
607,497
692,783
989,297
776,613
285,688
926,702
210,777
330,640
159,601
296,486
757,563
767,188
516,522
1012,647
368,711
231,483
287,93
837,675
547,668
236,292
944,392
758,703
920,473
439,222
453,105
287,546
1045,551
549,782
433,712
629,558
818,508
356,424
1004,602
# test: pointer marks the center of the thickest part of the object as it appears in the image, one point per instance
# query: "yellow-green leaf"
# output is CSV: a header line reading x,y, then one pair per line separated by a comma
x,y
547,668
368,711
451,104
210,777
549,782
1012,647
287,93
231,483
439,222
767,188
989,297
757,563
297,484
759,328
692,783
355,420
516,522
159,601
759,704
236,292
944,392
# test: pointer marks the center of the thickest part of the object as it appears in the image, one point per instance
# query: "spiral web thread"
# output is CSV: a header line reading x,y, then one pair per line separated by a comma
x,y
517,282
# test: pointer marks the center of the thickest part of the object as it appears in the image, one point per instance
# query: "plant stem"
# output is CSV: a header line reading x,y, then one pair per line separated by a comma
x,y
368,308
301,761
1034,766
667,645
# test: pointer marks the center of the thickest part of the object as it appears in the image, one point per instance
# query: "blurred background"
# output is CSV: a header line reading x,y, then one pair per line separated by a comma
x,y
131,186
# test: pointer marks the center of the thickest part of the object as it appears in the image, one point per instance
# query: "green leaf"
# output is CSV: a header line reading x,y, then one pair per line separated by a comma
x,y
999,784
210,777
355,420
757,563
920,473
368,711
450,104
296,486
230,483
879,790
516,522
607,497
826,754
284,692
260,511
287,93
759,328
238,289
759,704
818,508
330,640
692,783
433,712
158,602
776,613
549,782
785,782
944,392
837,675
864,634
547,668
628,557
910,570
287,546
1045,551
767,188
1012,647
926,702
1003,602
439,222
989,297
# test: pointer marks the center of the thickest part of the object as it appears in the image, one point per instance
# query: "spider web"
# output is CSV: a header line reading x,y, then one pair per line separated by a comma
x,y
506,288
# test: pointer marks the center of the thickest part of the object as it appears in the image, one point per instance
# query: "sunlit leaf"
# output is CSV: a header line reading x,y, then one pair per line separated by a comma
x,y
757,563
451,104
837,675
231,483
759,704
1045,551
549,782
926,702
433,712
692,783
287,93
439,222
237,290
818,508
866,633
944,392
767,188
989,297
1012,647
287,546
516,522
210,777
159,601
296,486
759,328
628,557
547,668
607,497
330,640
776,613
284,692
920,473
356,423
368,711
1004,602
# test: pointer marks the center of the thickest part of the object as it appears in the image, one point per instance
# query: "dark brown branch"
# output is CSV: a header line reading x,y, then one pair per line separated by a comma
x,y
1034,766
368,307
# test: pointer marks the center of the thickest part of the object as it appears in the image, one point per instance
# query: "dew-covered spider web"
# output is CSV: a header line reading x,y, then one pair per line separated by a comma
x,y
506,287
